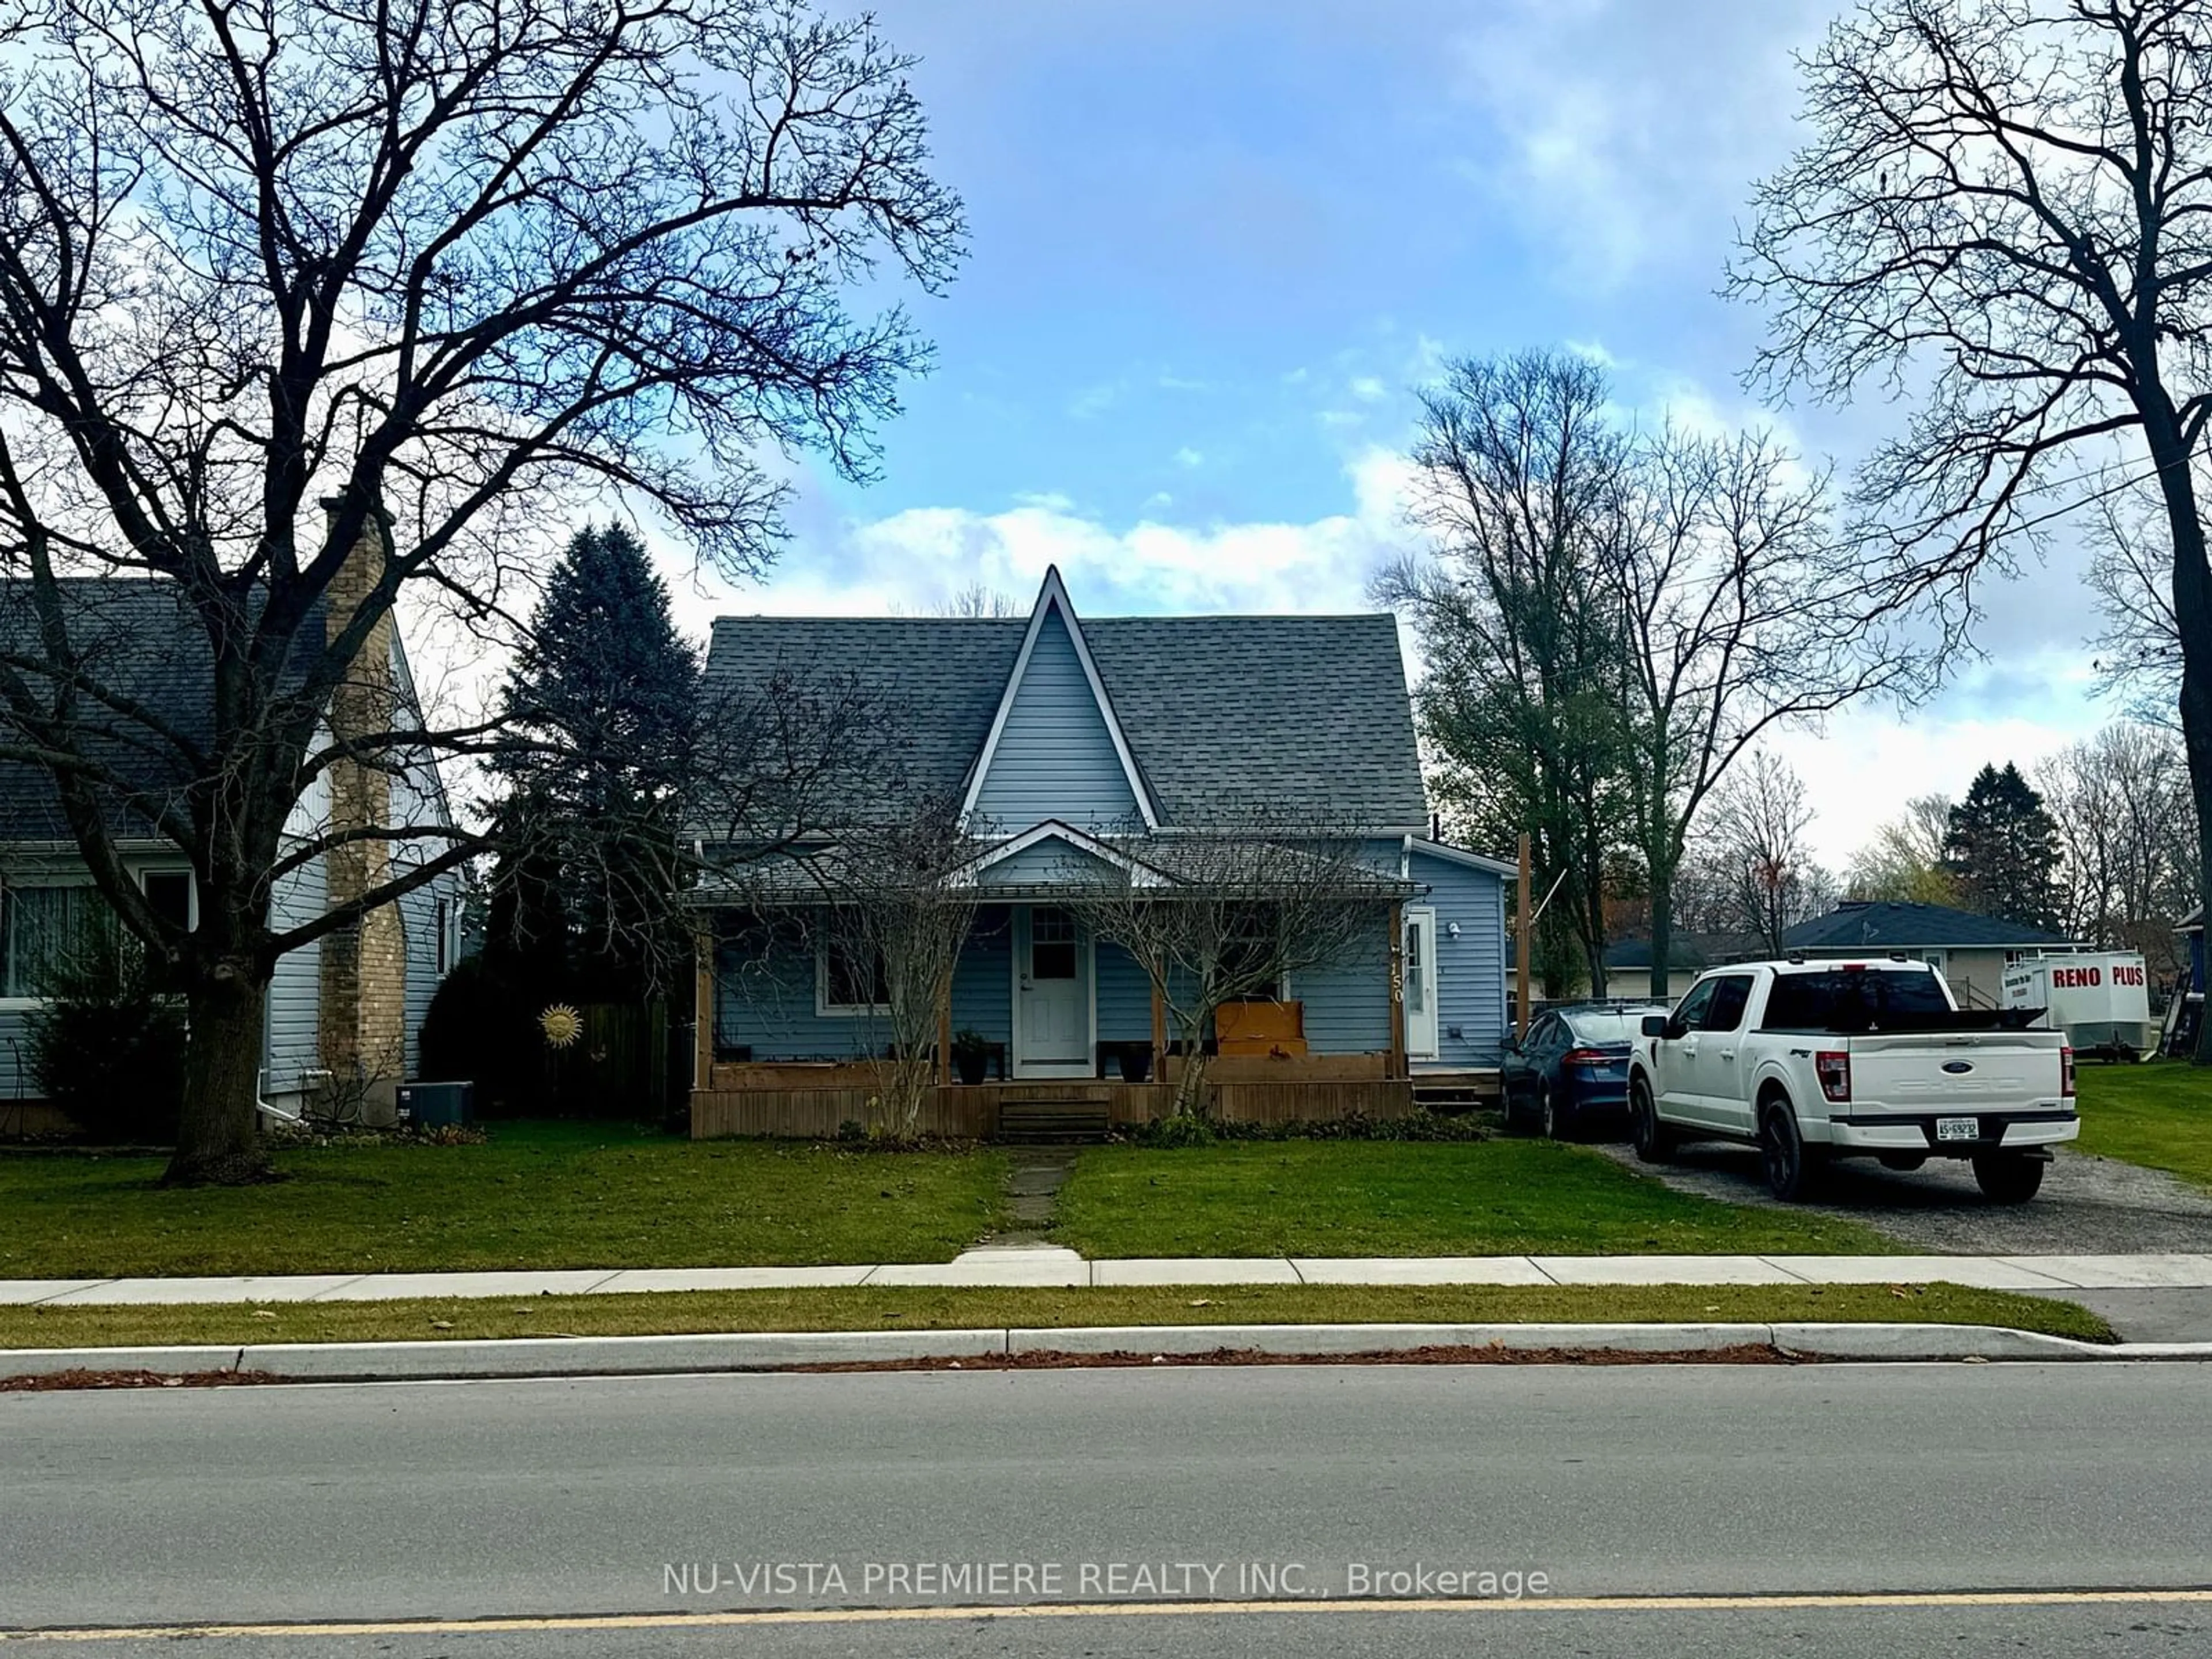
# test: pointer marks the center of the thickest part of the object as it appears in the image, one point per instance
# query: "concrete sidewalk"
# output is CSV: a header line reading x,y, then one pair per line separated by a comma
x,y
1047,1266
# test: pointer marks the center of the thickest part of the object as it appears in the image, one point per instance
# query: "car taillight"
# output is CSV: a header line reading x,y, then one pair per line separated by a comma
x,y
2066,1074
1833,1067
1586,1057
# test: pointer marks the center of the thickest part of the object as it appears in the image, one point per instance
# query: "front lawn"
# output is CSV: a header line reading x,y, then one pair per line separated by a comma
x,y
1411,1198
2157,1114
538,1195
917,1310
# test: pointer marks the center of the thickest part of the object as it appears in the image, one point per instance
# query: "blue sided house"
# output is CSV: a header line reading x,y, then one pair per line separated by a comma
x,y
1076,756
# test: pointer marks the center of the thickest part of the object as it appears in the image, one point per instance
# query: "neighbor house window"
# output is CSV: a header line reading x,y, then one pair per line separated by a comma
x,y
169,896
43,926
850,978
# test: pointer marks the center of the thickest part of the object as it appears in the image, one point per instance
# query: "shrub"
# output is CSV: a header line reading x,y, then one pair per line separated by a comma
x,y
1418,1125
108,1044
1181,1129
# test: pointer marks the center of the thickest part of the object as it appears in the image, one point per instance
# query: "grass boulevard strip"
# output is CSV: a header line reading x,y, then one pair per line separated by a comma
x,y
1368,1606
713,1312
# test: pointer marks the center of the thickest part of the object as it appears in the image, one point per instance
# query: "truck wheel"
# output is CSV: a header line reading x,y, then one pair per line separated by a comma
x,y
1792,1168
2009,1178
1653,1140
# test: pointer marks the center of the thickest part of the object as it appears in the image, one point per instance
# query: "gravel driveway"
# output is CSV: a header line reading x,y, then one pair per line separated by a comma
x,y
2089,1206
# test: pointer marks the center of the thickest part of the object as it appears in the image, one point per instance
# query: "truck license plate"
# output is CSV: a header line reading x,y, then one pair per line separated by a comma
x,y
1958,1128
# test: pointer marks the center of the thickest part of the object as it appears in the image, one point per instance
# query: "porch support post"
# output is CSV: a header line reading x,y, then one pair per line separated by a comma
x,y
1397,990
945,1032
1159,1035
1521,943
702,1010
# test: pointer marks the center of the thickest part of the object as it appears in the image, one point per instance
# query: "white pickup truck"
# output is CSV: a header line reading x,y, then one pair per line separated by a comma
x,y
1812,1060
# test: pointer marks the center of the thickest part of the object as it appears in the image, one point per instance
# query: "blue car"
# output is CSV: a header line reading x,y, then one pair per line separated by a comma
x,y
1570,1075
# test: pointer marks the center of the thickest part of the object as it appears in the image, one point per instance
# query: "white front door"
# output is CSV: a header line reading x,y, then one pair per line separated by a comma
x,y
1052,994
1420,966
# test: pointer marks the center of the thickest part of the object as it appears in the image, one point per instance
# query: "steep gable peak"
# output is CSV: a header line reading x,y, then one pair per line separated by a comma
x,y
1099,746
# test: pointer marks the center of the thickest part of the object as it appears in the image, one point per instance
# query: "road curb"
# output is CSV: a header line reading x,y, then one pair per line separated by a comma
x,y
593,1355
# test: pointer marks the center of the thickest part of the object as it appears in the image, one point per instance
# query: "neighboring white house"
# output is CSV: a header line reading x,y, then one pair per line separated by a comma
x,y
346,1012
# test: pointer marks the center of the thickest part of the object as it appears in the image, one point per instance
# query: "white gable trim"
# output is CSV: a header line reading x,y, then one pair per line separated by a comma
x,y
1054,596
1416,846
1141,873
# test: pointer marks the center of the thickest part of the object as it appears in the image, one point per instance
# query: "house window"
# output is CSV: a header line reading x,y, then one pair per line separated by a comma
x,y
1052,943
850,978
169,896
1249,954
44,926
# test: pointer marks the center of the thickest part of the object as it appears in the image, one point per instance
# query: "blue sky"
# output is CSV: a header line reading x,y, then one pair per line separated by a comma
x,y
1216,246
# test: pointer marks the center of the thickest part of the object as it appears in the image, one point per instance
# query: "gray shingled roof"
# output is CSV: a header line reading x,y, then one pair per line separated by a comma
x,y
1894,925
140,642
1302,714
136,640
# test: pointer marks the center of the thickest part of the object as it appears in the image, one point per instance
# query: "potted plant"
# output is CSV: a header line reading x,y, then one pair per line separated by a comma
x,y
972,1056
1136,1062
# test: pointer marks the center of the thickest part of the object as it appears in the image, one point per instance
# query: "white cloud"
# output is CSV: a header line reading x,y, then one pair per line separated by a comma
x,y
1630,131
1861,770
1368,389
915,559
1188,456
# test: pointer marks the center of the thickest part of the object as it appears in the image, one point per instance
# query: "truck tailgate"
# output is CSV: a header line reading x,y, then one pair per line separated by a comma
x,y
1977,1070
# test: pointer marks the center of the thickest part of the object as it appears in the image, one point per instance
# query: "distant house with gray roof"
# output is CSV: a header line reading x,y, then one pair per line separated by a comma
x,y
1969,950
1070,745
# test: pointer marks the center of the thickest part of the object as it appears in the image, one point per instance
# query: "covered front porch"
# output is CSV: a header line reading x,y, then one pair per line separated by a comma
x,y
1040,1014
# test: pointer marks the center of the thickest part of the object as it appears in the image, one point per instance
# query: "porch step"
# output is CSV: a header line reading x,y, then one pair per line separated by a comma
x,y
1052,1122
1455,1091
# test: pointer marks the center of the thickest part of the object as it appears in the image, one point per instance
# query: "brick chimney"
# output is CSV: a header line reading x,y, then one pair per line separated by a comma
x,y
362,1022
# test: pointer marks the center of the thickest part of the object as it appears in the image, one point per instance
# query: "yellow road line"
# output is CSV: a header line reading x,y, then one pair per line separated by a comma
x,y
679,1621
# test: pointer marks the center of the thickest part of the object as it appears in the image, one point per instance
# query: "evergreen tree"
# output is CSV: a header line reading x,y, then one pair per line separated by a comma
x,y
2003,849
584,890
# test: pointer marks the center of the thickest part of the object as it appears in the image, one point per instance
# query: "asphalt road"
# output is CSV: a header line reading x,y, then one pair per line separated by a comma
x,y
660,1498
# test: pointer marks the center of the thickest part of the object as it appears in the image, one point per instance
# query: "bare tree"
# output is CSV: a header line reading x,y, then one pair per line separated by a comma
x,y
1231,912
900,904
2006,207
1738,618
1755,837
2126,827
2138,641
1519,472
1612,620
454,268
1906,859
977,601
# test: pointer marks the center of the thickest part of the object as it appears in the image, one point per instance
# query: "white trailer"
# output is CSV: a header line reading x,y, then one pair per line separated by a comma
x,y
2099,999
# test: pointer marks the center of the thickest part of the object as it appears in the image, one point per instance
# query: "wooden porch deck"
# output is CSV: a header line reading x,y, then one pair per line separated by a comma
x,y
737,1105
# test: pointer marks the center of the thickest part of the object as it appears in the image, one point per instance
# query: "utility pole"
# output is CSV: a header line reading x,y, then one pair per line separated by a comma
x,y
1520,951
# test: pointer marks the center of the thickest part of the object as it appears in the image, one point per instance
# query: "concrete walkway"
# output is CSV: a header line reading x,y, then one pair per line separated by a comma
x,y
1045,1265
